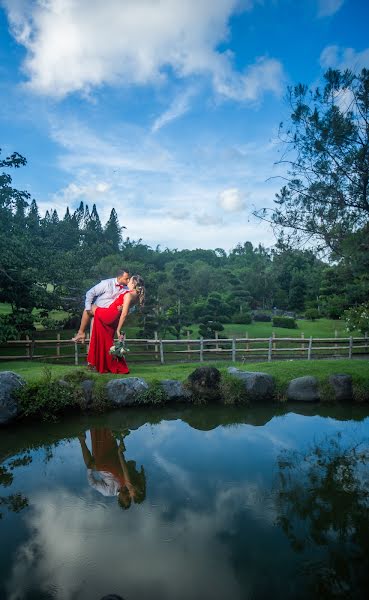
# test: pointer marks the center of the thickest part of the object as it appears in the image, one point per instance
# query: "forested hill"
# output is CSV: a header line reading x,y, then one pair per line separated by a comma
x,y
47,262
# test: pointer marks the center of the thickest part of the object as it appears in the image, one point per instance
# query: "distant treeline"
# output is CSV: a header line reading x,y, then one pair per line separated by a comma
x,y
47,262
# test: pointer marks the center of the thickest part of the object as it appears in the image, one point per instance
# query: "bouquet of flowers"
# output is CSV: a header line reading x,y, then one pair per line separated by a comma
x,y
119,348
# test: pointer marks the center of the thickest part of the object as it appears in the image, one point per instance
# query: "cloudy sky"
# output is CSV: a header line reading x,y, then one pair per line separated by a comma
x,y
165,109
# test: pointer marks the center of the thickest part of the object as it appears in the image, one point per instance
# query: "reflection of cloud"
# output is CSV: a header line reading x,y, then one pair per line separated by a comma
x,y
79,548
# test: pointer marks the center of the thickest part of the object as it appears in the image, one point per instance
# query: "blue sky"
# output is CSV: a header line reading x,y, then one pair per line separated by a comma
x,y
167,110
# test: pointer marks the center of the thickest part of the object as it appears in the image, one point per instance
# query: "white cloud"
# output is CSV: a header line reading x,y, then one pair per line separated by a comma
x,y
344,58
232,200
265,75
77,45
327,8
178,107
174,200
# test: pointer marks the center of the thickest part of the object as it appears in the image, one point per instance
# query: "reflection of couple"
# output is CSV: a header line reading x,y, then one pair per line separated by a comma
x,y
107,470
109,302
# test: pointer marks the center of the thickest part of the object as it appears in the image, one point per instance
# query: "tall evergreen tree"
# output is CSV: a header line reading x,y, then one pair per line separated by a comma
x,y
112,232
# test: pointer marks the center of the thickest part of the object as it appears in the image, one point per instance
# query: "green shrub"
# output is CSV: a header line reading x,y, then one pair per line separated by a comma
x,y
262,317
46,400
78,375
232,390
312,314
286,322
153,395
242,318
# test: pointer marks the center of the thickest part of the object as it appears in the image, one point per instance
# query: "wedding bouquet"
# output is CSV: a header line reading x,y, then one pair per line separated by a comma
x,y
119,348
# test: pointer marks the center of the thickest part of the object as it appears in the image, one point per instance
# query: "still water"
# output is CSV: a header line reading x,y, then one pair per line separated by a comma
x,y
196,503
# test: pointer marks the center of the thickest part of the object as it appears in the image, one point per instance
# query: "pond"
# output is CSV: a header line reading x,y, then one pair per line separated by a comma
x,y
187,503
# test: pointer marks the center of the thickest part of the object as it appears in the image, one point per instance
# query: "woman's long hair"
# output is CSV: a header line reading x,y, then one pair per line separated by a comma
x,y
140,289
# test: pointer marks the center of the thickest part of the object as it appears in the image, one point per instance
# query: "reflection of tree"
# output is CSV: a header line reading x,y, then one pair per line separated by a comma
x,y
14,502
323,503
108,470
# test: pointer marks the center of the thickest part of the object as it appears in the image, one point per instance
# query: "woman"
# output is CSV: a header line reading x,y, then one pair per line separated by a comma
x,y
108,472
107,322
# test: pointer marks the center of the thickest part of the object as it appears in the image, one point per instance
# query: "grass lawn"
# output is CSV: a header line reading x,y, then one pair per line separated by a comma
x,y
5,309
283,371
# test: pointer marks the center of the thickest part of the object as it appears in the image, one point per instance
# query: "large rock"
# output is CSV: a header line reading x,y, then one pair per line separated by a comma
x,y
175,391
342,387
303,389
9,383
204,382
259,386
125,392
87,387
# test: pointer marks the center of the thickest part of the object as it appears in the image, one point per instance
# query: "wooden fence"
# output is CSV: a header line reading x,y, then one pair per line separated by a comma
x,y
168,351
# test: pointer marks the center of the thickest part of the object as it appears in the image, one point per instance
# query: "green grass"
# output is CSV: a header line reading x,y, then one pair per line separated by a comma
x,y
320,328
5,309
283,371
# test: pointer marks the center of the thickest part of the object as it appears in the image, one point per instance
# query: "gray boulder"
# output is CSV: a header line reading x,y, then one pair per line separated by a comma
x,y
175,391
204,382
303,389
342,387
9,383
125,392
87,386
259,386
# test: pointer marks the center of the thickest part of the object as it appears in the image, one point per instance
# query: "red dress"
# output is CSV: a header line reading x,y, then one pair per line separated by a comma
x,y
103,331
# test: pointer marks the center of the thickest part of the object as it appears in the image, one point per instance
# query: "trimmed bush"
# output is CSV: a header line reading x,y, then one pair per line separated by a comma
x,y
242,318
286,322
262,317
312,314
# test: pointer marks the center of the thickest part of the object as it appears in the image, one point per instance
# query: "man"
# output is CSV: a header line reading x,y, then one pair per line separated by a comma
x,y
102,294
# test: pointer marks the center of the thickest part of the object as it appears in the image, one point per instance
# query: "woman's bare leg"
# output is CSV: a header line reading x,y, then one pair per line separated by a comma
x,y
81,333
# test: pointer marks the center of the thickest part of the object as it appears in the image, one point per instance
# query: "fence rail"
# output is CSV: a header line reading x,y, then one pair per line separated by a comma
x,y
159,350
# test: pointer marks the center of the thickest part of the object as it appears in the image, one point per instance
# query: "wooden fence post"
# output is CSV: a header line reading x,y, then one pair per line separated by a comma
x,y
247,337
350,347
366,341
216,337
201,349
273,336
161,352
270,349
188,345
58,345
76,354
28,353
310,347
156,346
233,349
302,337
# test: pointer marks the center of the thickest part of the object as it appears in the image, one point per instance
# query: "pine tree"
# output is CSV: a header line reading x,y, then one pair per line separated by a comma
x,y
112,232
33,219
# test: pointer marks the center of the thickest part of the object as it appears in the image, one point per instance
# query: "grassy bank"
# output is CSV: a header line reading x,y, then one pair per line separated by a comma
x,y
46,397
283,371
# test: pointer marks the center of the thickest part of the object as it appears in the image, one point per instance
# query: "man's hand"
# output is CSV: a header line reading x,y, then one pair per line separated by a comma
x,y
120,307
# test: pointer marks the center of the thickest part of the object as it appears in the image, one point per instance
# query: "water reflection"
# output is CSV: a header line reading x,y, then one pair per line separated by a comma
x,y
108,472
227,512
323,505
14,502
